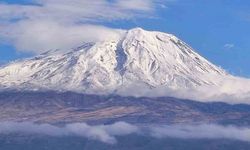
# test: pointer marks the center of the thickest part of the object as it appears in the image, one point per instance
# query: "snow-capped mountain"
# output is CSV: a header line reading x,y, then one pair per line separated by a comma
x,y
138,57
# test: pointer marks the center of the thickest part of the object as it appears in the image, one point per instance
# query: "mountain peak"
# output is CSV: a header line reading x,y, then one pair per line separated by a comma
x,y
147,58
137,29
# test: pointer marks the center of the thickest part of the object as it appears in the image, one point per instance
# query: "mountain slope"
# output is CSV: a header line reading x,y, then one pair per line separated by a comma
x,y
148,59
53,107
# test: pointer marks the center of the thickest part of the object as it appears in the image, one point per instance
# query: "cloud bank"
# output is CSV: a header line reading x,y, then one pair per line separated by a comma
x,y
204,131
230,89
62,24
103,133
108,133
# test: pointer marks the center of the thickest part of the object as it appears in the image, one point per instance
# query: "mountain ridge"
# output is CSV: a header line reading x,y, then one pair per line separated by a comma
x,y
125,54
136,62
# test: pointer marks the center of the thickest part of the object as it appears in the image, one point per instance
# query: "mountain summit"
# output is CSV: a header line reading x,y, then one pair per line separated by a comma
x,y
138,57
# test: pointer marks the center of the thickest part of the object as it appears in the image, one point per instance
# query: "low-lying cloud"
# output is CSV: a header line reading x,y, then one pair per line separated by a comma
x,y
230,89
108,133
205,131
103,133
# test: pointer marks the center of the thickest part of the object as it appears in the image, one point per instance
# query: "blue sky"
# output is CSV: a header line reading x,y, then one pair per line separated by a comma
x,y
217,29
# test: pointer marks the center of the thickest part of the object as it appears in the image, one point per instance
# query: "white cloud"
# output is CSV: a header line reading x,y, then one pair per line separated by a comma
x,y
41,35
146,5
208,131
229,46
230,89
108,133
103,133
77,10
50,24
